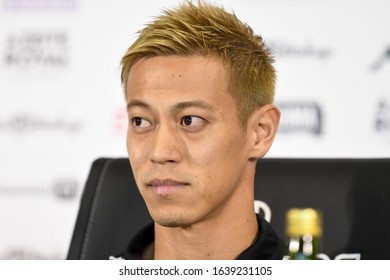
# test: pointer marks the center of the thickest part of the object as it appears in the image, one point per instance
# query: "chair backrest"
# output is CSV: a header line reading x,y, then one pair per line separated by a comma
x,y
353,194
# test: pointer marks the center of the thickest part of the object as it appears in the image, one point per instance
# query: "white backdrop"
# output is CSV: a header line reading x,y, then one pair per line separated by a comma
x,y
61,103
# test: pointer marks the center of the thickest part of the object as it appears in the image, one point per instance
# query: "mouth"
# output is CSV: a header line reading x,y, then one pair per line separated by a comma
x,y
165,187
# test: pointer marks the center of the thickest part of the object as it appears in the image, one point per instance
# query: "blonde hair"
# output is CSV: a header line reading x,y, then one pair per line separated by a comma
x,y
205,29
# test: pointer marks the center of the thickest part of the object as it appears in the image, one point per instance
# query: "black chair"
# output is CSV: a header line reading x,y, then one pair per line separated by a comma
x,y
353,194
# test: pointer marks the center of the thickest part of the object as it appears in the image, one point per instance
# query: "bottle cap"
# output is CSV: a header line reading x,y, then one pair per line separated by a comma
x,y
303,221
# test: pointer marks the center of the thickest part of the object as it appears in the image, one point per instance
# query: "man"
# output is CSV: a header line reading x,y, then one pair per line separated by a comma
x,y
199,86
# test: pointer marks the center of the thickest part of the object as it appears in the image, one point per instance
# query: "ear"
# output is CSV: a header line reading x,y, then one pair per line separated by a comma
x,y
262,128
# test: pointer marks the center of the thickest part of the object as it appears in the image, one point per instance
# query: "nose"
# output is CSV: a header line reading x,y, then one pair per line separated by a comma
x,y
166,145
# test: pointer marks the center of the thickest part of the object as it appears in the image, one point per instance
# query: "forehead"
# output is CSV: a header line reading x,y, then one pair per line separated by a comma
x,y
185,74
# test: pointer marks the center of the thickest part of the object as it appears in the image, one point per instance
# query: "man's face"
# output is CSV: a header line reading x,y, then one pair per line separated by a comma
x,y
186,147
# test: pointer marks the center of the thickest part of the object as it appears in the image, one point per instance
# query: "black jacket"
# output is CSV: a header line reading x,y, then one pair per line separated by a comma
x,y
268,246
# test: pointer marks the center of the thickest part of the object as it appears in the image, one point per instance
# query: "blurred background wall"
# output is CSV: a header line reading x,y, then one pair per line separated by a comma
x,y
61,103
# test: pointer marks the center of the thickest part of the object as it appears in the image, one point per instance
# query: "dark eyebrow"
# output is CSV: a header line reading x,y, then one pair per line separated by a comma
x,y
175,108
190,104
137,103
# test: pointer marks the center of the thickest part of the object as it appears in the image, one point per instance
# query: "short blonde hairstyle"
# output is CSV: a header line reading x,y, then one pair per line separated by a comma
x,y
205,29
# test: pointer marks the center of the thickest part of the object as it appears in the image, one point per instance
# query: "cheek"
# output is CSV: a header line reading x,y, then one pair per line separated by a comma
x,y
218,150
135,150
137,157
218,160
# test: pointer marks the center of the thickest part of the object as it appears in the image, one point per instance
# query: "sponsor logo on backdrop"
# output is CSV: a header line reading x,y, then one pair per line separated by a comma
x,y
287,49
383,58
120,121
39,5
382,118
65,189
28,123
36,50
301,117
20,253
62,189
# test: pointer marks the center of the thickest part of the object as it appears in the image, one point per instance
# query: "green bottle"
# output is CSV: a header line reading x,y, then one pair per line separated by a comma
x,y
304,231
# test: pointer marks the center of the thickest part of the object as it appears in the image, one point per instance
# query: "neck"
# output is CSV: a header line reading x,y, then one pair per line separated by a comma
x,y
216,238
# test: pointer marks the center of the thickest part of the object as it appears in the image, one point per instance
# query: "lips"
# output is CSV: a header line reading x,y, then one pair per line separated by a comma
x,y
165,187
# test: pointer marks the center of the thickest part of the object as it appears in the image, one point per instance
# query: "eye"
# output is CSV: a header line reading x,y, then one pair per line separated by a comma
x,y
140,122
192,121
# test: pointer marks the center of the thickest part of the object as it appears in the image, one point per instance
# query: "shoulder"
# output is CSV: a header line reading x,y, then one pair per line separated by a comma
x,y
137,244
268,245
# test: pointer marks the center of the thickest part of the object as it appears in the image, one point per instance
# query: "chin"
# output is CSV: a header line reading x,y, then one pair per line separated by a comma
x,y
172,221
